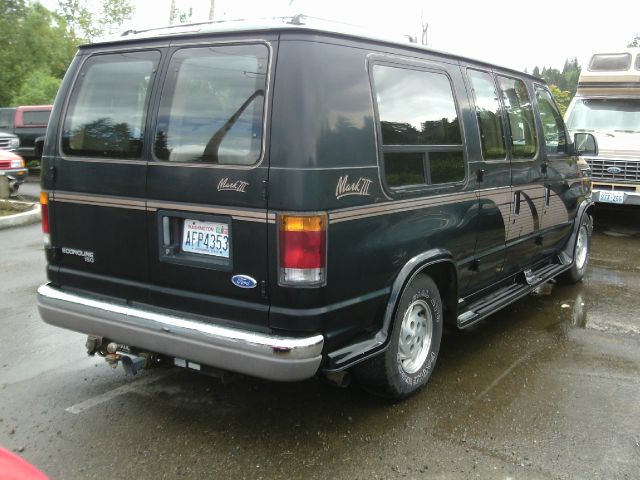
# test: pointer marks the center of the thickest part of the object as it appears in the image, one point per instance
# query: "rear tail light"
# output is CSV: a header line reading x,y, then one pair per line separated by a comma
x,y
303,250
44,209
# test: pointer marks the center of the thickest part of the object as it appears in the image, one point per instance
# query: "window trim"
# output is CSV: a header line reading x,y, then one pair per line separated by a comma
x,y
407,190
149,107
154,160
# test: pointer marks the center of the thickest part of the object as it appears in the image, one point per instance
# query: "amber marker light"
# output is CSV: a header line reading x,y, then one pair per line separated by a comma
x,y
303,250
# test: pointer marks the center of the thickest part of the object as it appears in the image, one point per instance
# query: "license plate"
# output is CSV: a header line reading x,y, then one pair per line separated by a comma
x,y
207,238
611,197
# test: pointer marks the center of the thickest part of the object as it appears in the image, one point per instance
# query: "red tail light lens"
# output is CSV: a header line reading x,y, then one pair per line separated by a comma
x,y
303,250
44,208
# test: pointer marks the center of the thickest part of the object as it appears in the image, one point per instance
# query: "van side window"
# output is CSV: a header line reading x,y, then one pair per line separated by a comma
x,y
489,115
518,107
212,105
555,133
421,139
108,106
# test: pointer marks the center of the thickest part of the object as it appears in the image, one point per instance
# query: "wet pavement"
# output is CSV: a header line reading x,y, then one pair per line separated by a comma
x,y
547,388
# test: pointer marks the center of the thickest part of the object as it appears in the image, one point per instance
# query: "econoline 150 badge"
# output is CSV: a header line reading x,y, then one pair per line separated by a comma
x,y
244,281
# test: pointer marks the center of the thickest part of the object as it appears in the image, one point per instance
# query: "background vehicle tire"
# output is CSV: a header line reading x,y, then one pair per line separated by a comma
x,y
581,255
407,363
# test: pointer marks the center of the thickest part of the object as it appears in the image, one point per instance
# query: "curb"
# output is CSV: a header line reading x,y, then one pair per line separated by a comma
x,y
22,218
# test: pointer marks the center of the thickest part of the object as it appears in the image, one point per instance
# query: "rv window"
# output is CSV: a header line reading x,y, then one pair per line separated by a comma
x,y
107,111
638,62
489,115
555,134
212,106
418,121
604,62
518,106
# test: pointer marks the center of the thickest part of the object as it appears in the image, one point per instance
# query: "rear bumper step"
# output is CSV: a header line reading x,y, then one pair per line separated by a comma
x,y
261,355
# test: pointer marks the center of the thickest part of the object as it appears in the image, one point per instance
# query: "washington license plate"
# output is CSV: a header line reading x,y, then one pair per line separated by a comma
x,y
208,238
611,197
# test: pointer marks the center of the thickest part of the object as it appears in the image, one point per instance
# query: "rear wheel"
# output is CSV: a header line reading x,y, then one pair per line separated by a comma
x,y
407,363
582,252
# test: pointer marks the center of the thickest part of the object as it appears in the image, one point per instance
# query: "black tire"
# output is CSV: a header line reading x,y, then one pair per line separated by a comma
x,y
581,253
389,374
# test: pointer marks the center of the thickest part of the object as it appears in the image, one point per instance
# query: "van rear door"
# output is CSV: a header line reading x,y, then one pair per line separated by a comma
x,y
206,182
98,220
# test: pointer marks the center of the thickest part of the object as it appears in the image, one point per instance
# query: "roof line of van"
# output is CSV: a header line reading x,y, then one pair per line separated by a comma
x,y
286,24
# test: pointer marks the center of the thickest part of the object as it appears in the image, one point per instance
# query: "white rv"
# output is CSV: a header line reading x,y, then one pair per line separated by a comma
x,y
607,104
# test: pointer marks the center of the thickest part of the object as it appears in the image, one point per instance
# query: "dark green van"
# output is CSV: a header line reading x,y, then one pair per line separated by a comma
x,y
285,201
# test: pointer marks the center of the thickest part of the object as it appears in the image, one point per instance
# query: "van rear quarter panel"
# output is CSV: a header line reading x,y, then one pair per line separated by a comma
x,y
324,131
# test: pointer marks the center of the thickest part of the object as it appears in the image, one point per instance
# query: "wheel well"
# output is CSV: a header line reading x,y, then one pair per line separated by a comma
x,y
445,277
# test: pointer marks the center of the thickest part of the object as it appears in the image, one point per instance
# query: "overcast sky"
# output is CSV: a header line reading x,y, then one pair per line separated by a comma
x,y
512,33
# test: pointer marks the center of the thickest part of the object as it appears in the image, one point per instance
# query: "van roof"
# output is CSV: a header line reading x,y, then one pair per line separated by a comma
x,y
297,23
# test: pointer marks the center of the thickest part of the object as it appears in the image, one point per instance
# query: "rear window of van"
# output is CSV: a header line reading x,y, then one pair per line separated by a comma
x,y
212,105
108,107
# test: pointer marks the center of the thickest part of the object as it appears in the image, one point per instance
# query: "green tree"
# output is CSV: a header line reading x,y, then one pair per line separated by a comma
x,y
86,25
635,42
36,49
562,97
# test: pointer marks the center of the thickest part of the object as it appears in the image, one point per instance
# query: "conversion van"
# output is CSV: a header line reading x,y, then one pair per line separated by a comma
x,y
607,104
286,201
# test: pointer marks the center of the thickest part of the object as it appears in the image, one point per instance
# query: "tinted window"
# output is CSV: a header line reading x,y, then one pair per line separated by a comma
x,y
638,62
35,118
488,114
6,119
520,114
603,62
212,108
421,138
555,134
107,111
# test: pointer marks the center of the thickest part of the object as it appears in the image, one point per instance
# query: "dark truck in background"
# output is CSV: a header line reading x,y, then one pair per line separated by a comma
x,y
29,124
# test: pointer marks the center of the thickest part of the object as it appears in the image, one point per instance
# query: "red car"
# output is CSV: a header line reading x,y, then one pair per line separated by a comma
x,y
12,166
12,467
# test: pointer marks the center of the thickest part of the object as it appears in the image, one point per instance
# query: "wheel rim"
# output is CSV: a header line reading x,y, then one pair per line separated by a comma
x,y
582,248
416,332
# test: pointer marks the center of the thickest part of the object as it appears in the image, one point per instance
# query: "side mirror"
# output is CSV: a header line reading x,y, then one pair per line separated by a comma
x,y
585,144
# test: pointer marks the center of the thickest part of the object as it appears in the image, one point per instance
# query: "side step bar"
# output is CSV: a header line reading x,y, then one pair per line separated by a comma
x,y
509,294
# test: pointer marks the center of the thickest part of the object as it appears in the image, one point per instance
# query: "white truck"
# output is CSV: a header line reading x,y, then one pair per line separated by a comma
x,y
607,104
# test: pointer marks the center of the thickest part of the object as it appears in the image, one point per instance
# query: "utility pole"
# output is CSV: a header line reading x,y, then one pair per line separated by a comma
x,y
172,12
212,9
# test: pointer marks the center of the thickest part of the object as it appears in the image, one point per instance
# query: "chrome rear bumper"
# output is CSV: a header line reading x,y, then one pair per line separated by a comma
x,y
262,355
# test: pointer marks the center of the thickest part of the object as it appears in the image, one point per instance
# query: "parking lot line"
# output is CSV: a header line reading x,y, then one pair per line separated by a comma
x,y
133,386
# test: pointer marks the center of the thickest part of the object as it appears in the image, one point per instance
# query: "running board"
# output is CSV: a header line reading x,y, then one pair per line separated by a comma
x,y
509,294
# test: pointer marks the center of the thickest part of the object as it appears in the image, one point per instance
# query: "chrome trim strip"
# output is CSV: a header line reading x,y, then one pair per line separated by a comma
x,y
257,346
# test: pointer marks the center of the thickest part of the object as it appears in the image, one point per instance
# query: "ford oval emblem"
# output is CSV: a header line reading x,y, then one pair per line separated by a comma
x,y
244,281
614,170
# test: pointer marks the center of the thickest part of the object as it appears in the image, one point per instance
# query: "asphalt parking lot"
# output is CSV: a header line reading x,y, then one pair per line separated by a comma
x,y
547,388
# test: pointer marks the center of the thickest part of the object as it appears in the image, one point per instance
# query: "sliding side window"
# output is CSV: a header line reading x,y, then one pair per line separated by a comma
x,y
108,107
520,113
418,122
